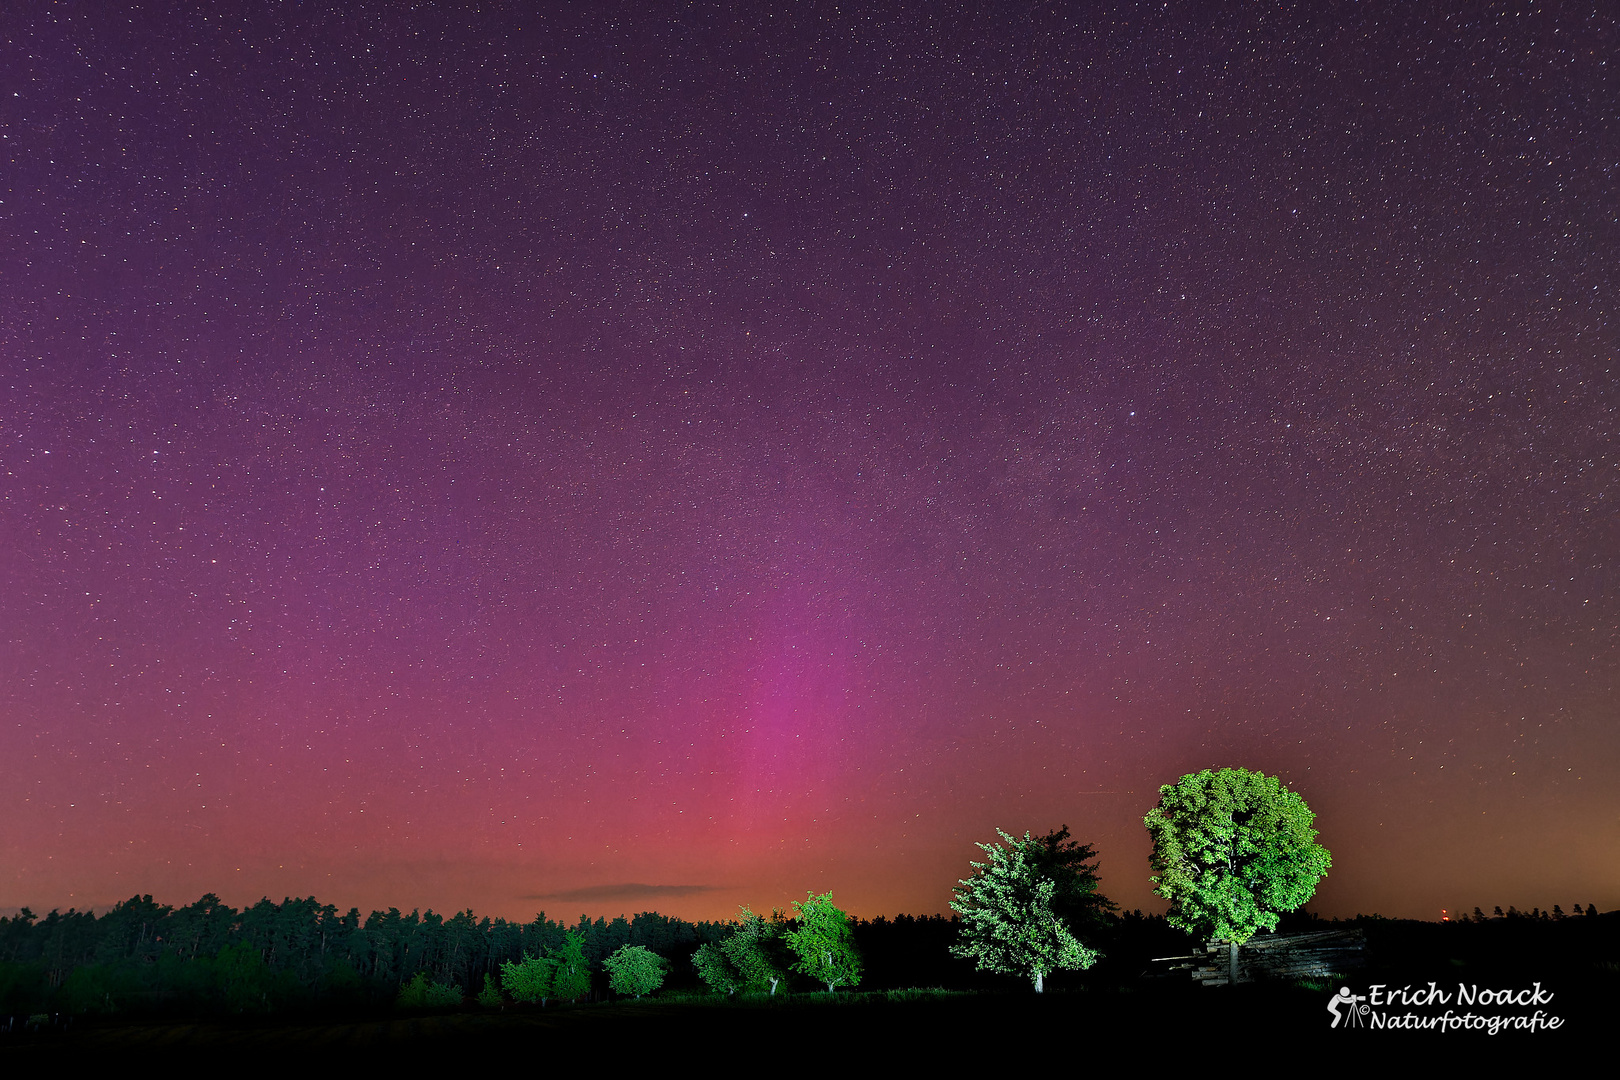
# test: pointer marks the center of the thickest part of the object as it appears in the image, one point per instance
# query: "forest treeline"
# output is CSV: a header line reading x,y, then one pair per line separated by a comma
x,y
1033,910
300,955
142,956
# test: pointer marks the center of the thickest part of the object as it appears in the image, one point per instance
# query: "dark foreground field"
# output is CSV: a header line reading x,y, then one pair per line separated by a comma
x,y
1128,1013
1251,1027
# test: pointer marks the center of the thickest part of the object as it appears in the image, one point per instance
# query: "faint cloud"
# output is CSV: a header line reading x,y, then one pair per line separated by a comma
x,y
626,891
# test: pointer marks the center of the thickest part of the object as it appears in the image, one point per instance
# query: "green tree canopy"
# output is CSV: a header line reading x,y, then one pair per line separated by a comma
x,y
529,980
635,970
572,979
717,970
757,950
1232,849
1008,922
1075,895
824,943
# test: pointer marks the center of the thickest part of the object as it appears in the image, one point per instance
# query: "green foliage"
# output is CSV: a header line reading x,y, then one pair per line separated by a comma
x,y
23,988
635,970
243,978
1231,850
573,974
340,983
208,957
419,993
1008,923
918,993
529,980
490,996
824,943
1075,898
716,969
96,988
757,950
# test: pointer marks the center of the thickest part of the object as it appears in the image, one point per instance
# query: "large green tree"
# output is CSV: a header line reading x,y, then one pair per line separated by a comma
x,y
1008,922
1232,850
634,970
824,943
572,979
757,950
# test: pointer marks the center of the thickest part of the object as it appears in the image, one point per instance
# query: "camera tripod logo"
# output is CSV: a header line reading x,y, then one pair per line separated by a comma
x,y
1352,1006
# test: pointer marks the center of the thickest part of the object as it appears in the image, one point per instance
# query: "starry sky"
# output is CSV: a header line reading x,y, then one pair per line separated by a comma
x,y
670,456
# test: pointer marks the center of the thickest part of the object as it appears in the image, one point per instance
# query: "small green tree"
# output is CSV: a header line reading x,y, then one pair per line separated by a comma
x,y
635,970
490,996
824,943
1008,925
529,980
573,974
716,969
757,950
1232,849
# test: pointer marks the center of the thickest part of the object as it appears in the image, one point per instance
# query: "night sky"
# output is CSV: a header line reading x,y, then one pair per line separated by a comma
x,y
664,456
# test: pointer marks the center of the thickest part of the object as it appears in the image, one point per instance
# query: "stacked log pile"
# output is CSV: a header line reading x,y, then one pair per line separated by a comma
x,y
1319,954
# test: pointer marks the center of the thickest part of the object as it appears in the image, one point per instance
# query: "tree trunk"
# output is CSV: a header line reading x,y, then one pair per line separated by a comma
x,y
1233,978
1040,979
